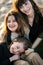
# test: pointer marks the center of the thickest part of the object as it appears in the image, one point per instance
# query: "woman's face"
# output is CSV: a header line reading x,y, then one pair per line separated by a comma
x,y
26,8
12,23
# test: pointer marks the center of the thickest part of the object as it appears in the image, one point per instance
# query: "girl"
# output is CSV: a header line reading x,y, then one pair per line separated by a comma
x,y
12,25
11,29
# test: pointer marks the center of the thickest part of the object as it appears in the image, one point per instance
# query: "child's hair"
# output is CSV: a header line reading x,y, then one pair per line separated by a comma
x,y
25,41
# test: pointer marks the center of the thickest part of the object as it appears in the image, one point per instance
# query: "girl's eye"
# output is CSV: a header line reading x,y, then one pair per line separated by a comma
x,y
8,21
14,20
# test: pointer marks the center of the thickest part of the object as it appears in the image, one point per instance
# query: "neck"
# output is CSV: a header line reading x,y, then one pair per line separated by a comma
x,y
13,32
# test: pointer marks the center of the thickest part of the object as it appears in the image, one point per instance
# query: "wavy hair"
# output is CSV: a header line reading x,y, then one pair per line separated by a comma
x,y
6,32
18,3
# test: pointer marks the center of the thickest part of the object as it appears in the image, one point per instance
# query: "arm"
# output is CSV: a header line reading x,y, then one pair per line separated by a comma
x,y
5,62
5,59
8,61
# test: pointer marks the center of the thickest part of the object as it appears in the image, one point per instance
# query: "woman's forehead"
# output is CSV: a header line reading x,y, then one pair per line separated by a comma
x,y
23,2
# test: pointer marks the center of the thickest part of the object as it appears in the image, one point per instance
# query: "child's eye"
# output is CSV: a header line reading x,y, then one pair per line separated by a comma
x,y
18,47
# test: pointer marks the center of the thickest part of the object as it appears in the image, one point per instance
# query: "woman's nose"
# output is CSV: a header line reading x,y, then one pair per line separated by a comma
x,y
25,9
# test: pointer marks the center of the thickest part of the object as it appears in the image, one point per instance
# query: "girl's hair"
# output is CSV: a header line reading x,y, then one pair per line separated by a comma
x,y
6,31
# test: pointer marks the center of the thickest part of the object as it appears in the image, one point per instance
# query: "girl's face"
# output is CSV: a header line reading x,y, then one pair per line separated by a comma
x,y
26,8
12,23
17,48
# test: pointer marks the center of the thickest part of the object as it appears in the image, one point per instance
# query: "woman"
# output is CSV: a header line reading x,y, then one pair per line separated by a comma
x,y
11,29
29,10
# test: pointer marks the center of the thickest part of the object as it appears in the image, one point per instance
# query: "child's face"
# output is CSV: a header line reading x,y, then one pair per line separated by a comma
x,y
17,48
12,23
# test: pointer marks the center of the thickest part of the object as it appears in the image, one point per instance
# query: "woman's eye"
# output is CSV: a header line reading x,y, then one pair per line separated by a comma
x,y
26,3
20,7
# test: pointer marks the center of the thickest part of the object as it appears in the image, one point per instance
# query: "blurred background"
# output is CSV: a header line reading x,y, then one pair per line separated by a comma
x,y
6,5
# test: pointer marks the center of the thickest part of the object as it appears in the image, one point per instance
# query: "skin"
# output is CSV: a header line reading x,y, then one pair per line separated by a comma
x,y
12,23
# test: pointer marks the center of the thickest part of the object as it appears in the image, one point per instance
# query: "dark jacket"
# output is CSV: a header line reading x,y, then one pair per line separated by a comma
x,y
5,55
39,47
36,29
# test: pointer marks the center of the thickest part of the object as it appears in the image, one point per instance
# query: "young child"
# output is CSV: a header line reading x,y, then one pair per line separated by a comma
x,y
19,47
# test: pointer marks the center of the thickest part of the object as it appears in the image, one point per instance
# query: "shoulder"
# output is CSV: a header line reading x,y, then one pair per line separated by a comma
x,y
41,35
2,36
39,3
4,48
3,44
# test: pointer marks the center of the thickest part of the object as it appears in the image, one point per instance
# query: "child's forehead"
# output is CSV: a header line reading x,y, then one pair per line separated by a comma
x,y
18,43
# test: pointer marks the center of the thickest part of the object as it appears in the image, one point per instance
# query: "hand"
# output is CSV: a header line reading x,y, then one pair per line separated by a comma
x,y
14,57
22,56
27,52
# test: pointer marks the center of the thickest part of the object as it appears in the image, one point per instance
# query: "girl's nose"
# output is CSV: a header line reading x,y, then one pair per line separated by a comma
x,y
11,23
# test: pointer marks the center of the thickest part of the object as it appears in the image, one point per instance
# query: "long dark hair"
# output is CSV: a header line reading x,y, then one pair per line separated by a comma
x,y
18,3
